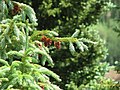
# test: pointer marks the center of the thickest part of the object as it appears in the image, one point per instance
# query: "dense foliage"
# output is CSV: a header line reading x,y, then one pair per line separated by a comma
x,y
99,84
19,68
77,50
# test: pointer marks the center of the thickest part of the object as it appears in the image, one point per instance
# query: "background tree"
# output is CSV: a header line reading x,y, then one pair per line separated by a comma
x,y
111,22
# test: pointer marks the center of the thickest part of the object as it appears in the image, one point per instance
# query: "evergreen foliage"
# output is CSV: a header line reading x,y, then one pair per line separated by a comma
x,y
77,49
19,53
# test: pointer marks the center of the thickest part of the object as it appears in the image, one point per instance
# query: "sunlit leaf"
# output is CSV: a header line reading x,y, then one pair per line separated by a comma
x,y
3,43
48,72
16,31
11,53
4,62
76,33
72,48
